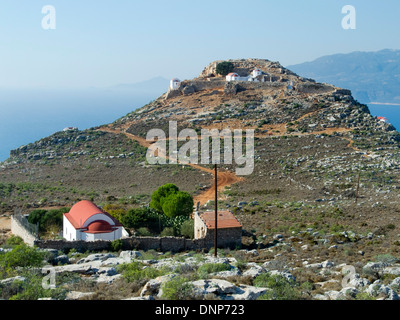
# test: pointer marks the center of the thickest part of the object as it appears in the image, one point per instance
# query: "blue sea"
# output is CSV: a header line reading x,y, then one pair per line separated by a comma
x,y
29,115
391,112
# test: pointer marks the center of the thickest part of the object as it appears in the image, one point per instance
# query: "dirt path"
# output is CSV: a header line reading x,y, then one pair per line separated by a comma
x,y
5,223
225,178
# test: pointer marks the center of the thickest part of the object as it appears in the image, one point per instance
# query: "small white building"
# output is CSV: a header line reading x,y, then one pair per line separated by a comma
x,y
232,76
85,221
174,84
256,72
70,129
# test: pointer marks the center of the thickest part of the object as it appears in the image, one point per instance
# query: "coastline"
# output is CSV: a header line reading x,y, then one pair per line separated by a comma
x,y
385,103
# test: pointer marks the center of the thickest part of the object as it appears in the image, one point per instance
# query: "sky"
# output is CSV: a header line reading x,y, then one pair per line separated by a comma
x,y
104,43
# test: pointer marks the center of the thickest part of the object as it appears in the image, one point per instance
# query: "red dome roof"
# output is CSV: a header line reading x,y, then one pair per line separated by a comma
x,y
99,226
82,211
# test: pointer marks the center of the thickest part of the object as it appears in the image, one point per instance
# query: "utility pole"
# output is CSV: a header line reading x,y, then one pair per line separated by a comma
x,y
216,210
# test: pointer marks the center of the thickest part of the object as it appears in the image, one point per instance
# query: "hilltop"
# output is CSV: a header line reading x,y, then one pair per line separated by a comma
x,y
322,163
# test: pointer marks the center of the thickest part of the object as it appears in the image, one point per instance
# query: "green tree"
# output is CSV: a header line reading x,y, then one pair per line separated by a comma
x,y
138,217
160,193
36,215
223,68
177,204
169,200
47,218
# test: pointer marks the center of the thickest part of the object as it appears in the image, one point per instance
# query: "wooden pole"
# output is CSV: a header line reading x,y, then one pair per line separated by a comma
x,y
216,210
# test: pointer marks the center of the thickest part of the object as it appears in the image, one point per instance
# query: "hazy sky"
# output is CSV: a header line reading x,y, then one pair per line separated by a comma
x,y
102,43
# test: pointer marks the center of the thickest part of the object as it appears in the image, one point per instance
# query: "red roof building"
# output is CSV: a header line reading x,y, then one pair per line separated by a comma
x,y
86,221
232,76
229,229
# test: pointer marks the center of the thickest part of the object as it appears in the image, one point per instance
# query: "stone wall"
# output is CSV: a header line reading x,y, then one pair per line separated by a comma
x,y
227,237
18,229
314,88
173,244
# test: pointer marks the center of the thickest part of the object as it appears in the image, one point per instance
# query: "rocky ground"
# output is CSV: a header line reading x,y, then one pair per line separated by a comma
x,y
323,195
98,275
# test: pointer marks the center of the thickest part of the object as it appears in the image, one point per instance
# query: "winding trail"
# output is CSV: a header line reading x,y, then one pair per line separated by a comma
x,y
225,178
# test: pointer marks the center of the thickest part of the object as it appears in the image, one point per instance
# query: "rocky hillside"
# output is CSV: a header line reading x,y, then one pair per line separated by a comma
x,y
326,172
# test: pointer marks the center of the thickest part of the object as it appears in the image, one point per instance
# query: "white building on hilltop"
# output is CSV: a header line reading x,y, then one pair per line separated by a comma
x,y
256,76
256,72
174,83
232,76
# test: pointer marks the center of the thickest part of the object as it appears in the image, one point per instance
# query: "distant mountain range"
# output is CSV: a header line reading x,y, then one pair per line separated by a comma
x,y
371,76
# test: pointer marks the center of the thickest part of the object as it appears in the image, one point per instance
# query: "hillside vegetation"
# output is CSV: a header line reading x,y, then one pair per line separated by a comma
x,y
325,184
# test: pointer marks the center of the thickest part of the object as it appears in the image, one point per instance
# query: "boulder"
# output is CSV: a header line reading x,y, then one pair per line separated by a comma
x,y
140,298
76,295
9,281
153,286
188,90
254,270
213,286
249,293
96,257
82,268
128,255
63,259
287,275
346,293
358,282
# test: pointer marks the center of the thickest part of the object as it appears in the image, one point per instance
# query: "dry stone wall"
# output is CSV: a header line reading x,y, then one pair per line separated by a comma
x,y
173,244
18,229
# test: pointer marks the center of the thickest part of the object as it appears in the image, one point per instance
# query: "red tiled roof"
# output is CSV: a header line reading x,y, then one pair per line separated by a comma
x,y
225,219
233,74
83,210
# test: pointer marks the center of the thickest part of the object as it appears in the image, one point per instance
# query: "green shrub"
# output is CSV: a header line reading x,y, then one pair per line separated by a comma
x,y
14,241
138,271
281,288
47,218
187,229
32,289
21,256
168,232
205,269
144,232
116,245
139,217
178,288
225,67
